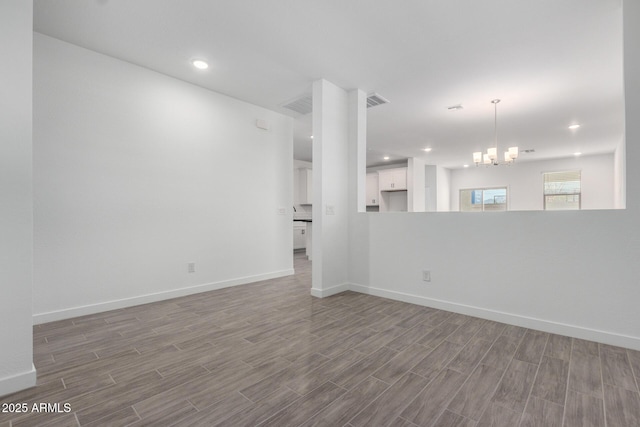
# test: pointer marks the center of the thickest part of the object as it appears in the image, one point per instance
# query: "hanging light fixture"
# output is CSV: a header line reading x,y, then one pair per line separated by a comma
x,y
491,156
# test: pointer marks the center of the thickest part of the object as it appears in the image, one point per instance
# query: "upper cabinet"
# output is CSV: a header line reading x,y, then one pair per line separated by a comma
x,y
373,193
303,191
393,179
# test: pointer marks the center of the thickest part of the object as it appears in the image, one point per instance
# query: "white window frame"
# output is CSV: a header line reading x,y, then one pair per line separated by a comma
x,y
483,189
567,174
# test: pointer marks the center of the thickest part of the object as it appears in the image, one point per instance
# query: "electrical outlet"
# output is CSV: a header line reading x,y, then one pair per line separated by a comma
x,y
282,211
426,275
191,267
330,210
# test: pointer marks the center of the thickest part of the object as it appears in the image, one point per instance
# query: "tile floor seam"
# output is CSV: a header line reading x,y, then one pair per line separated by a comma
x,y
383,392
535,377
604,403
633,373
566,392
504,372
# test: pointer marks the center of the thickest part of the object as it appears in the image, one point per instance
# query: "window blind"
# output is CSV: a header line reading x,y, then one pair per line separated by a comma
x,y
567,182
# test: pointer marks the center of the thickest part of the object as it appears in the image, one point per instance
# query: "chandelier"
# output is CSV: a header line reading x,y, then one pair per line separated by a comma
x,y
491,156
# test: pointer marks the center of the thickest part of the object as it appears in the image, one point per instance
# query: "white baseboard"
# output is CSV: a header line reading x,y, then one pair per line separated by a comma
x,y
509,318
84,310
498,316
18,382
322,293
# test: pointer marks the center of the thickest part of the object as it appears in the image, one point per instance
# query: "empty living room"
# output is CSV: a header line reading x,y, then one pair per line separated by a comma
x,y
158,157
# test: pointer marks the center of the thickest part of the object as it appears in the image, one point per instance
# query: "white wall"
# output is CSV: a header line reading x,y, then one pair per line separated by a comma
x,y
524,181
632,106
138,174
416,185
302,164
619,177
431,188
570,272
443,189
16,189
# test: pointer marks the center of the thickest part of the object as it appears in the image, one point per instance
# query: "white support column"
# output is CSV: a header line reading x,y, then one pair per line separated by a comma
x,y
330,189
358,218
431,193
416,185
358,151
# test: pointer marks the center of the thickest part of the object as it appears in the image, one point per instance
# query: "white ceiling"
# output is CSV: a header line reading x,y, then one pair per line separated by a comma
x,y
551,62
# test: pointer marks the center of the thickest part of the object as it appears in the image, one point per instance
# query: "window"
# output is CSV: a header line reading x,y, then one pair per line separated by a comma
x,y
483,199
561,190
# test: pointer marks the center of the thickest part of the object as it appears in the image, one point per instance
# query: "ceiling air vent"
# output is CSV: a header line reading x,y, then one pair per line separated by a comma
x,y
374,100
302,105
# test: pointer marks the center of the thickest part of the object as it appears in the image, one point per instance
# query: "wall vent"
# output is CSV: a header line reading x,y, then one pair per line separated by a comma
x,y
302,105
374,100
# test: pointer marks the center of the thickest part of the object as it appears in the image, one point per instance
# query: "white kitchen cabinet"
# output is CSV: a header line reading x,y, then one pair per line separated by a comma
x,y
373,194
304,191
392,179
299,235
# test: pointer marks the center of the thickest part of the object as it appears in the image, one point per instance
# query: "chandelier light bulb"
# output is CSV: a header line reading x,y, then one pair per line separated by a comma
x,y
477,157
491,156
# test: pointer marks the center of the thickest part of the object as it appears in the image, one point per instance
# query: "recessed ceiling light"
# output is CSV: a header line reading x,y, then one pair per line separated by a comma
x,y
427,149
576,126
385,158
200,64
465,166
311,137
577,154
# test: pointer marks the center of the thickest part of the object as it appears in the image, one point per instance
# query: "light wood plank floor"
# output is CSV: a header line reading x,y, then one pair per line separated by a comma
x,y
269,354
